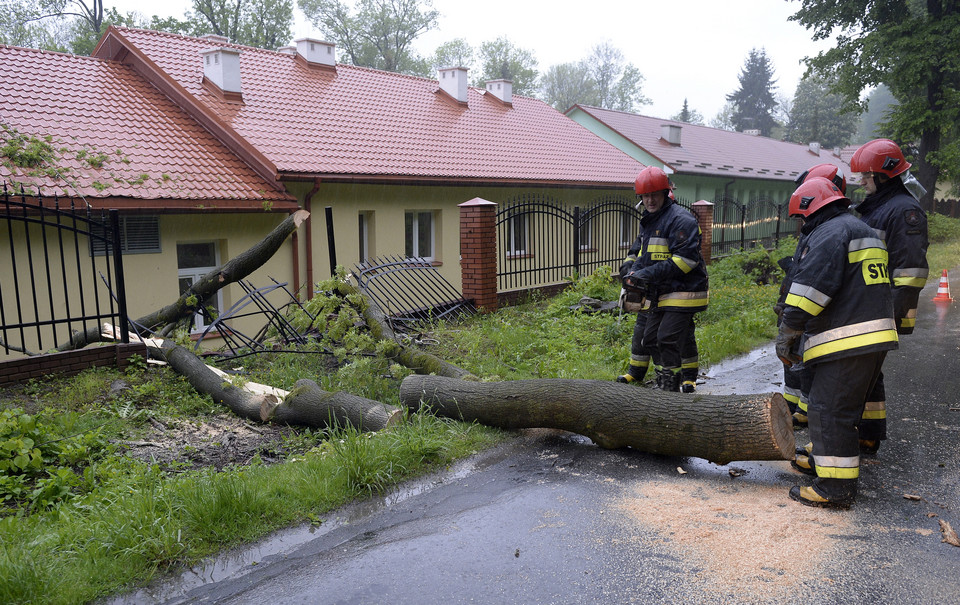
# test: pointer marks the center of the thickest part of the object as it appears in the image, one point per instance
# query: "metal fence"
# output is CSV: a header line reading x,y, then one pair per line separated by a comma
x,y
541,242
62,271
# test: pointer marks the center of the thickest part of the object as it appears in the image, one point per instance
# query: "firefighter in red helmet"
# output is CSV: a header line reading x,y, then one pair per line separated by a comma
x,y
840,303
665,264
796,378
893,209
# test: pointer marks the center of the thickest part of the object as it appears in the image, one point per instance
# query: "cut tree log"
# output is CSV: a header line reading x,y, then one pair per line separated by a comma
x,y
306,405
207,286
718,428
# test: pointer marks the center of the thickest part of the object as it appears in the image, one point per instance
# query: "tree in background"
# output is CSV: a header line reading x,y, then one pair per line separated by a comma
x,y
379,34
914,48
619,84
568,84
501,59
880,102
455,53
260,23
22,24
753,102
690,116
724,118
818,116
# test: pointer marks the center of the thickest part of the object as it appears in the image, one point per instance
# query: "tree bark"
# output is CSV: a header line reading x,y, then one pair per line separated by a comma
x,y
234,270
718,428
306,405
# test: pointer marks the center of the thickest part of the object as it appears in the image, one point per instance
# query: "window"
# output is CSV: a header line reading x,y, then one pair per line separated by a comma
x,y
586,235
628,229
517,234
419,235
138,235
193,262
366,222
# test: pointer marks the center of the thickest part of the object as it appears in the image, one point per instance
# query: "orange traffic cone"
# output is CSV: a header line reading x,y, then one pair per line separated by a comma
x,y
943,291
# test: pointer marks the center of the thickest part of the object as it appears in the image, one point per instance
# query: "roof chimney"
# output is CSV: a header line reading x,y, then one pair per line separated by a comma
x,y
754,132
502,89
670,133
287,50
317,53
814,148
221,68
453,81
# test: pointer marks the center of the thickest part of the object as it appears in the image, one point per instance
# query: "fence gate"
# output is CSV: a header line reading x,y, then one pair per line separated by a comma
x,y
541,243
62,272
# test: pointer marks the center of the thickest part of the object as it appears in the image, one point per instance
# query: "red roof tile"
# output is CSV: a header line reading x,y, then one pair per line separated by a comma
x,y
152,150
364,123
715,152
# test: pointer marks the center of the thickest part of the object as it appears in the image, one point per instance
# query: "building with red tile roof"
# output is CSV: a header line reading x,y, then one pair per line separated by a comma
x,y
169,127
709,163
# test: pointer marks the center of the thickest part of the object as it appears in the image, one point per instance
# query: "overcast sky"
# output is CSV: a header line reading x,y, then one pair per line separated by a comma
x,y
691,49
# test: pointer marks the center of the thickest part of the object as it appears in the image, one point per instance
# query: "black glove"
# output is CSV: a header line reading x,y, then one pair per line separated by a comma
x,y
632,282
786,342
625,269
778,309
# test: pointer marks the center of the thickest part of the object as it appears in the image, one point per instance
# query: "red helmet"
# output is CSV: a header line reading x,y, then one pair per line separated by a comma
x,y
815,193
650,180
880,155
827,171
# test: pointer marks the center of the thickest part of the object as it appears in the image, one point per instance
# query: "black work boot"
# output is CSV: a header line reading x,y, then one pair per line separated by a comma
x,y
671,381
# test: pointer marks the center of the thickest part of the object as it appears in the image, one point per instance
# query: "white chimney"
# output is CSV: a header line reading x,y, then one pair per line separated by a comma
x,y
317,52
754,132
814,148
221,66
502,89
453,81
670,133
287,50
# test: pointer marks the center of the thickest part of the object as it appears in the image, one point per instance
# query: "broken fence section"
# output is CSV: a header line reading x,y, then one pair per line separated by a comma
x,y
410,291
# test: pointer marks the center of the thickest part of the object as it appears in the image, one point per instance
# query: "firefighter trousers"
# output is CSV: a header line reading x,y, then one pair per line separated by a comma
x,y
670,333
837,396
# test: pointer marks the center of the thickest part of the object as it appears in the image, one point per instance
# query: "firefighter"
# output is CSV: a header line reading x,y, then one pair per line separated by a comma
x,y
892,208
840,302
796,378
665,264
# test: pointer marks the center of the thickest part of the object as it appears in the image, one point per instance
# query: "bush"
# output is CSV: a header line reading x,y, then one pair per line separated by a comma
x,y
942,228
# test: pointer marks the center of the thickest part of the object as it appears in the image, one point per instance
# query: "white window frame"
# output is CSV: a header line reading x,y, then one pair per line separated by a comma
x,y
195,273
414,236
517,237
364,224
626,223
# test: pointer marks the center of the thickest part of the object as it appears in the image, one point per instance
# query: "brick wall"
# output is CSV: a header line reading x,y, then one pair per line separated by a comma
x,y
70,362
704,211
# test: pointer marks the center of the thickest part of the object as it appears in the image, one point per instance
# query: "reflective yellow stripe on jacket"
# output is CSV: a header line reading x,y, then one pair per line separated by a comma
x,y
684,299
659,248
914,278
854,336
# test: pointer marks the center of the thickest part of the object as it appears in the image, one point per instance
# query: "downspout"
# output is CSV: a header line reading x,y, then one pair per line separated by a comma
x,y
726,190
307,203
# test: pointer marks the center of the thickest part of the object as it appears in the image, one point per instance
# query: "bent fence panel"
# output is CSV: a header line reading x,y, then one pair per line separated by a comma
x,y
62,273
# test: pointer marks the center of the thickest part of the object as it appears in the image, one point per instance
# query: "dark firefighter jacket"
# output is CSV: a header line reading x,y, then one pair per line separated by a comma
x,y
666,254
840,293
901,223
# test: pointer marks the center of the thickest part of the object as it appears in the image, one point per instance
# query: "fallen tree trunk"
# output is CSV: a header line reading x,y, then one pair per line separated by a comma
x,y
306,405
184,307
718,428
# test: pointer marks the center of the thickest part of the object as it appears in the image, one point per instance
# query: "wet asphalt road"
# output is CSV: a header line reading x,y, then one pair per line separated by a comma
x,y
551,518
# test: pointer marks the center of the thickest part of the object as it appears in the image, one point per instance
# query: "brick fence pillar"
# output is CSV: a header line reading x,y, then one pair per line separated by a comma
x,y
478,253
704,211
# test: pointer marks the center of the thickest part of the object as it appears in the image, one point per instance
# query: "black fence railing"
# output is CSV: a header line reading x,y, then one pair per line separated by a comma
x,y
61,272
541,242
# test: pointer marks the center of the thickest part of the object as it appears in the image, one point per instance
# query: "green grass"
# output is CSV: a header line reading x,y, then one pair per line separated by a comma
x,y
121,522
